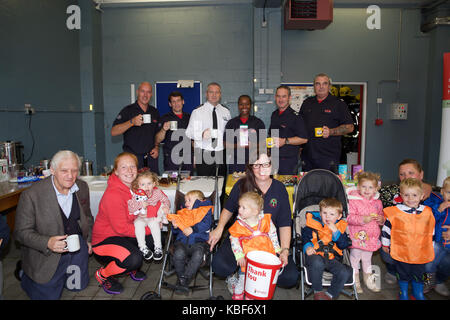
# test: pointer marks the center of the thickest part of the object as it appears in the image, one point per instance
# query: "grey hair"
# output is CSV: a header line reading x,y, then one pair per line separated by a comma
x,y
61,155
322,75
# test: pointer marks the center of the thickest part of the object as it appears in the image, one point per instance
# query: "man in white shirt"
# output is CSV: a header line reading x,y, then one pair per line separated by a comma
x,y
206,127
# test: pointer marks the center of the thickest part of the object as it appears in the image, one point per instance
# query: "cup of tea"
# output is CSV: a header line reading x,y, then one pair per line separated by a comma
x,y
318,132
214,133
72,243
173,125
146,118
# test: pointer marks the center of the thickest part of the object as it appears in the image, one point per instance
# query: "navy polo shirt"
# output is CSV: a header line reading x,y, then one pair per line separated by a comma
x,y
138,140
331,112
276,202
181,124
236,123
290,124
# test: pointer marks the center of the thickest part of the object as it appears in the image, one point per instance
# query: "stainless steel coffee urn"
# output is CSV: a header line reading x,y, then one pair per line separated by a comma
x,y
12,151
86,168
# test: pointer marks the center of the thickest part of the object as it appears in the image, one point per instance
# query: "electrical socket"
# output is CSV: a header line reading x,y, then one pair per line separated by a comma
x,y
29,109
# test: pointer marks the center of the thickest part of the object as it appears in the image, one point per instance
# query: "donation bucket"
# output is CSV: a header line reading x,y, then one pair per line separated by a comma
x,y
263,269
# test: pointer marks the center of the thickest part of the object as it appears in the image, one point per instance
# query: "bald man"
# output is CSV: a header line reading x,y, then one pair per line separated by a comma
x,y
139,124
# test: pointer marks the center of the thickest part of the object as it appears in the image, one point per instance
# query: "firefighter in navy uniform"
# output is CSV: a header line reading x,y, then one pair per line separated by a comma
x,y
139,137
250,125
327,118
176,102
292,131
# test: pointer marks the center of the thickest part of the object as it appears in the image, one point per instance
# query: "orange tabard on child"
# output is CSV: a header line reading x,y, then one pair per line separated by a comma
x,y
411,235
325,234
255,239
185,218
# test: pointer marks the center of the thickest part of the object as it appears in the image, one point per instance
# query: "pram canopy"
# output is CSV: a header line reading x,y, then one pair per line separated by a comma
x,y
317,185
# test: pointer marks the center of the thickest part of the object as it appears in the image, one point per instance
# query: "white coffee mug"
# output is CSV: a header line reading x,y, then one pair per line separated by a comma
x,y
214,133
72,243
146,118
173,125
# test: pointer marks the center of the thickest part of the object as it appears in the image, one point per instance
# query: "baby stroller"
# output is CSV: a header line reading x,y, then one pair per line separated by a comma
x,y
315,186
168,268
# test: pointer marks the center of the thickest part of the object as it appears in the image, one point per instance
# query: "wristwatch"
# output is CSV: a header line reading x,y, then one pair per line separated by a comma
x,y
286,141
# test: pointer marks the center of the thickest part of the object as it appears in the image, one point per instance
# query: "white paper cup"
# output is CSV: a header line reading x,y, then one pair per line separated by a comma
x,y
72,243
146,118
173,125
214,133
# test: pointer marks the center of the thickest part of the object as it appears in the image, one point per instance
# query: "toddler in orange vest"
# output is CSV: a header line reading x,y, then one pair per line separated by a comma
x,y
253,230
324,238
190,227
407,235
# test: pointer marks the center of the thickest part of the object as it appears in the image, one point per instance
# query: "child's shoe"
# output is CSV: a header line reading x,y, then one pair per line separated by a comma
x,y
442,289
231,282
403,285
238,292
321,296
238,296
146,252
370,280
390,278
417,290
429,282
182,286
158,254
358,283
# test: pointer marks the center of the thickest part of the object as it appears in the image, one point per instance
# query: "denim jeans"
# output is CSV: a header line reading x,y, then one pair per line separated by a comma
x,y
317,264
443,268
439,253
188,258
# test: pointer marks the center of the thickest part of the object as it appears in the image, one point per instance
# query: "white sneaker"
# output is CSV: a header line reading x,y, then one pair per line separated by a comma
x,y
148,254
231,282
371,281
239,288
442,289
158,254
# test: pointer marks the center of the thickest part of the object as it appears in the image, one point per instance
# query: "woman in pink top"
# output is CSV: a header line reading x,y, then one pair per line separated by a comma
x,y
364,220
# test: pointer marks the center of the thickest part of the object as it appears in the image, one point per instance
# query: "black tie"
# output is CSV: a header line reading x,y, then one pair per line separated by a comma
x,y
214,116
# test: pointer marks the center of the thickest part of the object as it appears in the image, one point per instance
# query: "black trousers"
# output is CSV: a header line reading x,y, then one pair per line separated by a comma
x,y
206,162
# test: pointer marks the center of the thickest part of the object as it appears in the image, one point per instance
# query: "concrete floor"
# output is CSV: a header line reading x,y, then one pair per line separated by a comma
x,y
134,290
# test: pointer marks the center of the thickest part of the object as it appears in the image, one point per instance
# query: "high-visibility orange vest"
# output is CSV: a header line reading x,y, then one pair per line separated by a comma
x,y
411,235
324,234
185,218
256,238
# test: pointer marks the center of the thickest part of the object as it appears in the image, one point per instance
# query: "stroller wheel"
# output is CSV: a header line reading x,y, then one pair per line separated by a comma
x,y
151,295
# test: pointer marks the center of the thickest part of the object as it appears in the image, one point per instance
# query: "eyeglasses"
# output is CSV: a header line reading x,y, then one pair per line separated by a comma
x,y
259,165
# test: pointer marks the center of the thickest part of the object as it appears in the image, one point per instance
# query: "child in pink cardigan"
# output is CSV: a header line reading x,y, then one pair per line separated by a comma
x,y
364,221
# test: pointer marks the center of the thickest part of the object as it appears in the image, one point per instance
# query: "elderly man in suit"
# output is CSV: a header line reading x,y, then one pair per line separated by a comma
x,y
46,214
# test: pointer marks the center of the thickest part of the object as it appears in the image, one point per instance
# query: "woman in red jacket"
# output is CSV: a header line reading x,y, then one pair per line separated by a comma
x,y
113,238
